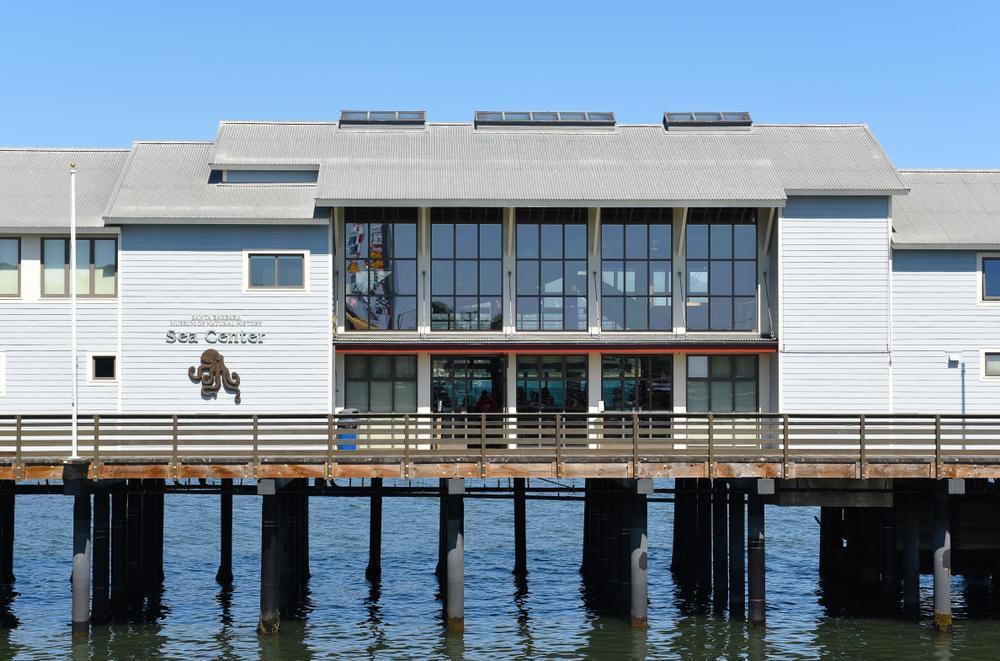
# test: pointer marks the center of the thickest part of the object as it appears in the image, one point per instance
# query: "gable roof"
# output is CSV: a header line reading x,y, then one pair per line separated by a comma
x,y
948,208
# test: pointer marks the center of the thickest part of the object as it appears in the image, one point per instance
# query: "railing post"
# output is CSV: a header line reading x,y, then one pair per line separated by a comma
x,y
635,445
17,446
329,446
937,447
785,464
97,446
482,445
256,447
174,442
711,445
863,452
406,446
558,445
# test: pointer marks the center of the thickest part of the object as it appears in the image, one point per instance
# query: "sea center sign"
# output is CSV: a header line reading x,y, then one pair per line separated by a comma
x,y
215,329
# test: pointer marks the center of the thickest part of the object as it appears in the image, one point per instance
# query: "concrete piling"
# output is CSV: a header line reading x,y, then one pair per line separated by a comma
x,y
638,553
225,573
373,572
941,545
81,563
756,612
455,558
520,529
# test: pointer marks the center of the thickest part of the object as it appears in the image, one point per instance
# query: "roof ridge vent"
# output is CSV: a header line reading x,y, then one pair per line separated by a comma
x,y
383,118
706,120
545,119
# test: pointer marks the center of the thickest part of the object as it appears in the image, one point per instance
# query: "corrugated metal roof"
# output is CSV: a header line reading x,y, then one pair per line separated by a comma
x,y
948,208
631,164
34,187
169,180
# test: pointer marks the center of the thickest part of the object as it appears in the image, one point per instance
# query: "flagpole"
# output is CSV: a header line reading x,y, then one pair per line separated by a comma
x,y
74,423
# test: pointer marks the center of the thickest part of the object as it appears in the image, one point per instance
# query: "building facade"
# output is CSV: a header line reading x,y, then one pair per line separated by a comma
x,y
524,262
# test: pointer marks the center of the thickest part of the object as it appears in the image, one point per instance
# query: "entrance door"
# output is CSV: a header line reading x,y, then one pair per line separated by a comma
x,y
467,384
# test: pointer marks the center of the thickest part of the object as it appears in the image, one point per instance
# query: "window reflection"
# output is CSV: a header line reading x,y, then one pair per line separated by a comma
x,y
722,384
381,269
466,269
551,384
636,255
721,247
551,269
637,383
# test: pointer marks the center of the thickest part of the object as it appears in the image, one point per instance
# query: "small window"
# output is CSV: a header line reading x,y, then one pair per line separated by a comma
x,y
991,278
271,176
992,365
103,368
10,267
277,271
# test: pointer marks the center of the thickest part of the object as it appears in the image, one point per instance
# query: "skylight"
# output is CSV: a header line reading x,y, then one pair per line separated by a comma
x,y
383,117
547,118
720,119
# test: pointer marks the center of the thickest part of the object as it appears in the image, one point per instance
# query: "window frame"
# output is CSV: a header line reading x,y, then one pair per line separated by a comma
x,y
91,371
730,221
390,216
981,259
20,265
638,380
68,271
248,288
368,380
665,220
539,360
732,381
478,217
540,221
983,355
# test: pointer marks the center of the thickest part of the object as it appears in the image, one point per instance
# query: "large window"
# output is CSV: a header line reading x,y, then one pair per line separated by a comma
x,y
10,267
467,384
380,384
381,268
466,269
281,271
721,248
551,383
96,267
722,384
551,269
991,278
635,267
637,383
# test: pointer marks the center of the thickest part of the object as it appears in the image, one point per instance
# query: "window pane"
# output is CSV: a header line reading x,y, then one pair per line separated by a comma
x,y
576,277
83,267
466,277
993,364
722,241
612,278
612,241
527,241
721,278
576,241
697,396
405,394
697,278
404,240
613,314
490,278
466,313
404,276
405,313
552,313
381,397
355,367
381,367
991,278
552,277
490,241
9,264
105,266
697,367
442,312
527,277
357,240
262,271
290,270
551,241
406,367
491,313
722,396
697,242
660,242
466,244
635,313
356,317
635,242
697,314
745,241
745,313
576,313
442,277
744,367
746,396
745,278
527,313
104,367
721,310
441,241
659,314
356,395
636,281
722,367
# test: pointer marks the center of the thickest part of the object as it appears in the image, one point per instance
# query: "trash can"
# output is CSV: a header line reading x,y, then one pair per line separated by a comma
x,y
346,430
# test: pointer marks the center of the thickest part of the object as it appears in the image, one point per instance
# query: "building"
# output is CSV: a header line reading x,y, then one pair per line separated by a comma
x,y
528,262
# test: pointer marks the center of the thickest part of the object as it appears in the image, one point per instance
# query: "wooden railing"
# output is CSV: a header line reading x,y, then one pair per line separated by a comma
x,y
635,437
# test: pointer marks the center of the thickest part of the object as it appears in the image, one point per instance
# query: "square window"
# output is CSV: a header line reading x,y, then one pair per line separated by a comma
x,y
285,271
992,366
103,368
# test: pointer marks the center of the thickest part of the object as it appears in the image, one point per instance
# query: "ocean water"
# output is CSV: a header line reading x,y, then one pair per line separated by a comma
x,y
346,617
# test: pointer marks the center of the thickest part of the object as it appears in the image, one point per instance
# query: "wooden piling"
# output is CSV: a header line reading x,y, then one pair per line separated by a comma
x,y
100,611
520,529
941,544
587,531
134,531
756,612
119,554
889,592
704,527
911,557
737,535
720,549
455,544
81,563
270,569
6,532
638,558
442,566
830,541
373,572
225,573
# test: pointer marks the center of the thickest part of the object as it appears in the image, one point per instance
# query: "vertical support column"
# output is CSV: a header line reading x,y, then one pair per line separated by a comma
x,y
81,562
455,545
737,587
704,553
6,532
119,554
755,561
149,537
720,569
134,527
911,557
304,571
270,568
890,581
225,573
520,529
587,528
830,541
442,566
941,544
374,570
638,552
102,555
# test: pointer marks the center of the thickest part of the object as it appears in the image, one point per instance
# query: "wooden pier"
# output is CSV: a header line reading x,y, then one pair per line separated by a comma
x,y
893,491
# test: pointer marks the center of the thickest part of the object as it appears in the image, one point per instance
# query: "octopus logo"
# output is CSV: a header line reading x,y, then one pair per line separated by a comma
x,y
214,375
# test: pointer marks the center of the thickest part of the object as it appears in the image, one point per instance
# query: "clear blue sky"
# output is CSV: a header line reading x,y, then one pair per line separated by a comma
x,y
924,76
